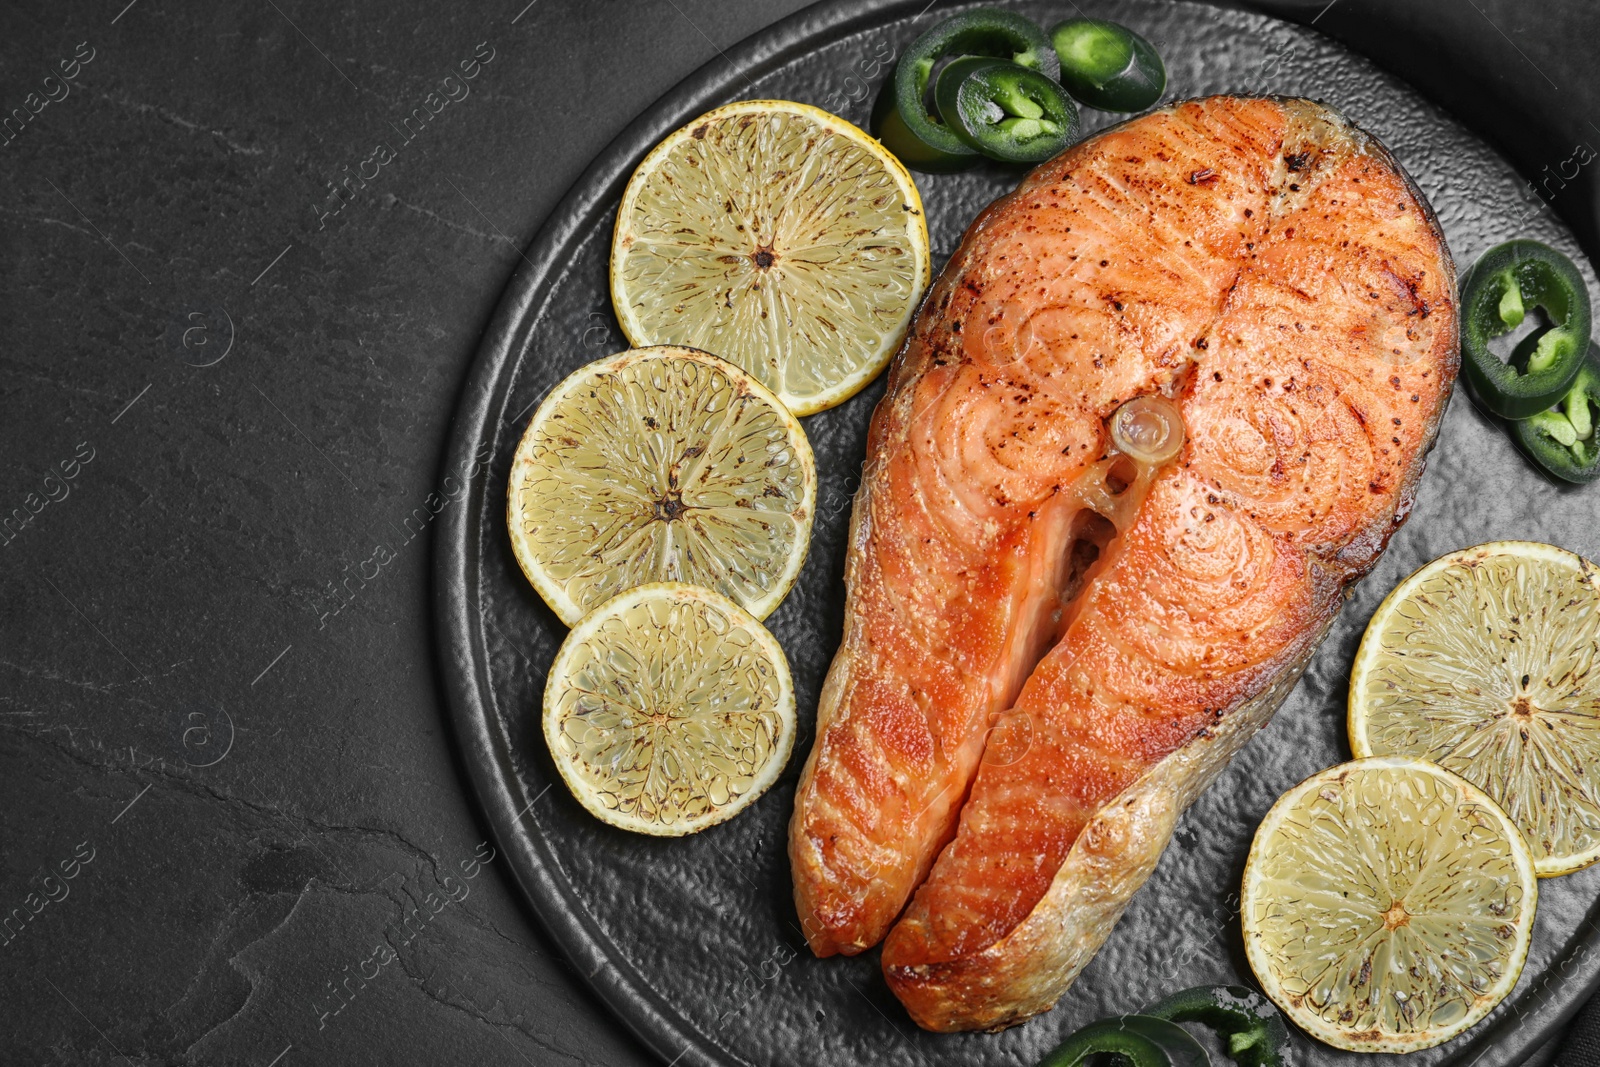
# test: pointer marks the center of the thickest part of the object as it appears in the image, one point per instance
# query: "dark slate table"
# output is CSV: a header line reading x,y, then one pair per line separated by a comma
x,y
233,333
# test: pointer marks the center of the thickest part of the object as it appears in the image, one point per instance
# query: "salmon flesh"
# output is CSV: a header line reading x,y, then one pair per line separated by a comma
x,y
1052,644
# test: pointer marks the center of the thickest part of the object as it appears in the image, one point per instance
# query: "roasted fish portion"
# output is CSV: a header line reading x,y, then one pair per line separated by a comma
x,y
1055,638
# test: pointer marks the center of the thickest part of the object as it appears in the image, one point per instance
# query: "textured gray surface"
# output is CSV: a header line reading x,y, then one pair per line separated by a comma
x,y
697,937
222,510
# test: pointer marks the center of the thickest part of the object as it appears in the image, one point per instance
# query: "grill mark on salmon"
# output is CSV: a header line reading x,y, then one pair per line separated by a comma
x,y
1016,716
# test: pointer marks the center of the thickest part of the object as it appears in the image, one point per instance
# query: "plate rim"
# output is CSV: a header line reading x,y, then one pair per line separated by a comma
x,y
458,629
458,621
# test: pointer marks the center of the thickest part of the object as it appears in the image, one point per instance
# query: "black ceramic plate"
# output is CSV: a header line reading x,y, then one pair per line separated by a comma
x,y
693,941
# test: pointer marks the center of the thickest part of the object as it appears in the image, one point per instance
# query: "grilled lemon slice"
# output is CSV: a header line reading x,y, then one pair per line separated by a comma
x,y
669,709
661,464
781,238
1387,904
1487,662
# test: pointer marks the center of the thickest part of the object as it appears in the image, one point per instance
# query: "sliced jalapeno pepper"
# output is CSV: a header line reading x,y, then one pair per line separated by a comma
x,y
900,117
910,148
1140,1040
1007,112
1108,66
1566,441
1494,299
1249,1024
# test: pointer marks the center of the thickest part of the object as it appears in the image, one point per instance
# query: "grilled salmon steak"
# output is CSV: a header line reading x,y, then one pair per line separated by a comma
x,y
1165,403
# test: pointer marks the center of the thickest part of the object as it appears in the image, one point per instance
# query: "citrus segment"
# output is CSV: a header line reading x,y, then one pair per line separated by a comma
x,y
1487,662
661,464
1387,905
779,237
669,709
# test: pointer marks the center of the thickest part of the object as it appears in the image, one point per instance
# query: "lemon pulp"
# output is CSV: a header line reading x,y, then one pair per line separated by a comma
x,y
661,464
779,237
669,709
1387,905
1487,662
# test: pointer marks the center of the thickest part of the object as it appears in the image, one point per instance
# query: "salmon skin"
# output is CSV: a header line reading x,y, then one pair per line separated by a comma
x,y
1050,647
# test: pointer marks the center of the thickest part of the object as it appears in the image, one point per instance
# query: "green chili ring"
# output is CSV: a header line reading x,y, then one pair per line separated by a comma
x,y
1250,1025
916,153
1140,1040
1494,298
1566,441
1108,66
901,119
1007,112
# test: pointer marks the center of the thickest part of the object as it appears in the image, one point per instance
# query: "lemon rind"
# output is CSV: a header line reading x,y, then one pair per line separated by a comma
x,y
568,610
872,367
585,630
